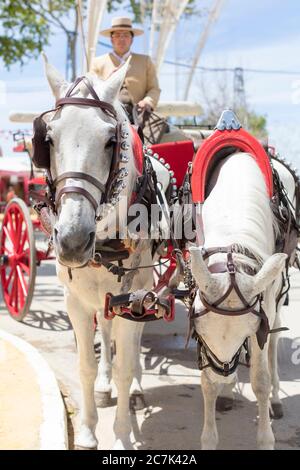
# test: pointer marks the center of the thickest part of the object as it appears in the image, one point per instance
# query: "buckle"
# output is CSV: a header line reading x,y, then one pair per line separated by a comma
x,y
226,369
231,268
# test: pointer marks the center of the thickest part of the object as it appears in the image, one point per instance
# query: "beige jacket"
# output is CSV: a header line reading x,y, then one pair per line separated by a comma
x,y
141,81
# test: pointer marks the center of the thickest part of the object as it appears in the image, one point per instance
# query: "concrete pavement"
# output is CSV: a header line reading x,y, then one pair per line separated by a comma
x,y
32,413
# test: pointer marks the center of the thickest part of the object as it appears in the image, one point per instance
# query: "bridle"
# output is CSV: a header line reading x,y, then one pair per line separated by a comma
x,y
114,185
206,357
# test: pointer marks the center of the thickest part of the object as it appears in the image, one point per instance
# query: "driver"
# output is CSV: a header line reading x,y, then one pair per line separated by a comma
x,y
141,84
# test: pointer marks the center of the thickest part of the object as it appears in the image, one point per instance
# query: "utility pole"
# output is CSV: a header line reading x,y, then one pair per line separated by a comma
x,y
239,95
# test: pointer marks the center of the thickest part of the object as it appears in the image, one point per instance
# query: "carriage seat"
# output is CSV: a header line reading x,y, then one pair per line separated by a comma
x,y
177,155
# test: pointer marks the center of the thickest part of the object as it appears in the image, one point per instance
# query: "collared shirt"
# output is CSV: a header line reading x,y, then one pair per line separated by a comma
x,y
122,59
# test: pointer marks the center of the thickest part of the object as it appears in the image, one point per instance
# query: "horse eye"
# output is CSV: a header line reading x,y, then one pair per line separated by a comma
x,y
48,139
110,142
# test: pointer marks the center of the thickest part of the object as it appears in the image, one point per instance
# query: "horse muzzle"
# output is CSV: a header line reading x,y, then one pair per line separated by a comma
x,y
73,249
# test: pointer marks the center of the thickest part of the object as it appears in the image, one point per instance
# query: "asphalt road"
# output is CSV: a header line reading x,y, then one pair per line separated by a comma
x,y
172,417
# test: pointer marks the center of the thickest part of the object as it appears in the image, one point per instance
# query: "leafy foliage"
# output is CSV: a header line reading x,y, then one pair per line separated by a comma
x,y
25,27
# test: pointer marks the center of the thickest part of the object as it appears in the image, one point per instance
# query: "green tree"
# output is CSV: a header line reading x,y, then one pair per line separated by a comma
x,y
257,124
26,27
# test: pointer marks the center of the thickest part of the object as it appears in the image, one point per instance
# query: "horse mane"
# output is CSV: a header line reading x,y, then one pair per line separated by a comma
x,y
245,218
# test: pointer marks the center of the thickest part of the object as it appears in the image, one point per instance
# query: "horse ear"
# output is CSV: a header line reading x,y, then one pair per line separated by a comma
x,y
114,82
203,277
56,81
269,272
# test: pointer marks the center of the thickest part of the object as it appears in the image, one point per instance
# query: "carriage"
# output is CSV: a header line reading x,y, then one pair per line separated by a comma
x,y
22,240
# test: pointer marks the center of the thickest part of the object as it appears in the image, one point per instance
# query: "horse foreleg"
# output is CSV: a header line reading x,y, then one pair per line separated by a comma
x,y
136,390
277,410
83,324
210,390
261,385
127,348
103,382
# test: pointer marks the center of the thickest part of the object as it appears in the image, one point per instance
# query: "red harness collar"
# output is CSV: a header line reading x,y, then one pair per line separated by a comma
x,y
242,141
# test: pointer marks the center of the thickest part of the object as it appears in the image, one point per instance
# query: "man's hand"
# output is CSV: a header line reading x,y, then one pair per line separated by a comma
x,y
145,106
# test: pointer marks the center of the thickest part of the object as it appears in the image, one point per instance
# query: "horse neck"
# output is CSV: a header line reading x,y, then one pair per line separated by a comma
x,y
237,211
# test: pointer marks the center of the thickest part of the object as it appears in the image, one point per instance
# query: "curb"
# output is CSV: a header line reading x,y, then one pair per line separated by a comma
x,y
53,429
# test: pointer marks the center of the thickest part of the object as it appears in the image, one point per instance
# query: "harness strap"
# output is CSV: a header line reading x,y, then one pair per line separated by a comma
x,y
219,367
90,88
231,313
78,174
106,107
78,190
73,86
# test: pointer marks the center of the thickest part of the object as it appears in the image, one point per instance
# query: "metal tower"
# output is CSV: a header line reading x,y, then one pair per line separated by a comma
x,y
239,96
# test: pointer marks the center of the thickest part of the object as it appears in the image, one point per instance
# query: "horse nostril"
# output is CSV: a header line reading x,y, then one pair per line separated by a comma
x,y
71,244
90,241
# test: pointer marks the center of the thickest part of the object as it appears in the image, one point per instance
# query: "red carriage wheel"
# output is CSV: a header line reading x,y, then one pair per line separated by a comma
x,y
18,258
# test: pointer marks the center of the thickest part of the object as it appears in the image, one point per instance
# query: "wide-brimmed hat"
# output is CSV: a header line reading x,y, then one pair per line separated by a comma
x,y
121,24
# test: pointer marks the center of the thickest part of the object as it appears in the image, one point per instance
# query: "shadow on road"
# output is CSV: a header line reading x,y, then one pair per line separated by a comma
x,y
48,321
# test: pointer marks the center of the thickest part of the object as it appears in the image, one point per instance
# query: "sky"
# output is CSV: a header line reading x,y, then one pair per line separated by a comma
x,y
253,34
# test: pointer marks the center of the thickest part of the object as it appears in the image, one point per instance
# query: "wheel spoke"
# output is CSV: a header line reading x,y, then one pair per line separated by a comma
x,y
13,216
7,234
16,297
7,281
22,298
19,225
22,281
25,267
10,220
12,292
23,239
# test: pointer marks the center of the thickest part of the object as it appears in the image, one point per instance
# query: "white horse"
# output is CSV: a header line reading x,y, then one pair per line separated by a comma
x,y
81,138
237,212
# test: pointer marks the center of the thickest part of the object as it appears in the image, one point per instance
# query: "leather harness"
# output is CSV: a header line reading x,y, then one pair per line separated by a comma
x,y
206,358
41,155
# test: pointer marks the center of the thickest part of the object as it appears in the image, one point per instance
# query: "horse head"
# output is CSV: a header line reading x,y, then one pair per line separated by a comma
x,y
85,133
229,288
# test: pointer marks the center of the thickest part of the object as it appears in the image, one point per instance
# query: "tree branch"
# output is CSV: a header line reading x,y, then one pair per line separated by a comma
x,y
43,14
